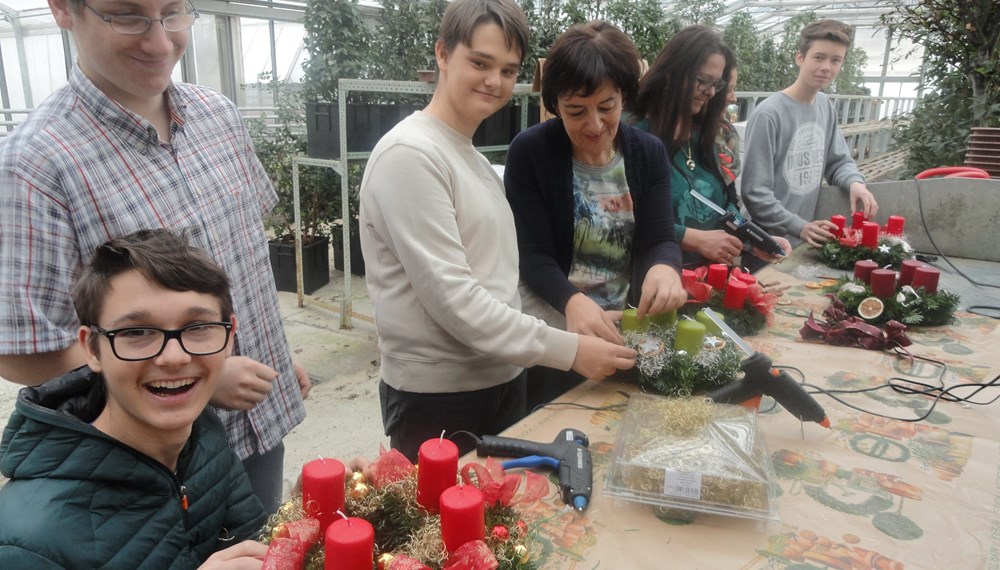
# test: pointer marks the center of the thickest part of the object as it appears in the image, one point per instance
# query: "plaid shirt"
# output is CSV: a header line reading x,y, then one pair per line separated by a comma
x,y
82,169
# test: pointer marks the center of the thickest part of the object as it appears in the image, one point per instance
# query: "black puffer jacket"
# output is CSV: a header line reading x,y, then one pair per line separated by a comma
x,y
78,498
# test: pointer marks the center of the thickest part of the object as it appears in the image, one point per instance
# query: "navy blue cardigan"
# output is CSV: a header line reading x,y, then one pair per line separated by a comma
x,y
539,181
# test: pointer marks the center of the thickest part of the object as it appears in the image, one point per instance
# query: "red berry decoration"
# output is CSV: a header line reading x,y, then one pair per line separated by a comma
x,y
500,533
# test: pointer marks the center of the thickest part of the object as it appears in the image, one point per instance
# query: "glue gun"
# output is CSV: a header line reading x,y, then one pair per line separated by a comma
x,y
567,453
744,230
761,378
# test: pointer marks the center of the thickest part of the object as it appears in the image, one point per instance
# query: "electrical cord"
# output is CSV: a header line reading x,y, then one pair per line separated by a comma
x,y
936,392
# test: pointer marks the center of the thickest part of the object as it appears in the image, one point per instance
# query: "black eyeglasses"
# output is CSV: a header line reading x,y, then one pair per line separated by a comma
x,y
143,343
705,83
134,25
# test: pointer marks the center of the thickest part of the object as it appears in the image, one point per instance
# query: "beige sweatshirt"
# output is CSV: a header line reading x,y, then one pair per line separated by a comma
x,y
442,266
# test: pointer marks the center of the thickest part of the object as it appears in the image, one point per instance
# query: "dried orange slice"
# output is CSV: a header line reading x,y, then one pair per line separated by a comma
x,y
871,308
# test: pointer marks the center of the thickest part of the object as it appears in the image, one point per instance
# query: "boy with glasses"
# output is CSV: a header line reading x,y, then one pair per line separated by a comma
x,y
119,463
793,143
122,148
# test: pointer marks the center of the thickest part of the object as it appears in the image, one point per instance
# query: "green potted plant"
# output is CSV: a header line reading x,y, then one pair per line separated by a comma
x,y
319,197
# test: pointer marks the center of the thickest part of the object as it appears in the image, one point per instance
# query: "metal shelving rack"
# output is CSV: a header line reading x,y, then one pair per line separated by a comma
x,y
339,165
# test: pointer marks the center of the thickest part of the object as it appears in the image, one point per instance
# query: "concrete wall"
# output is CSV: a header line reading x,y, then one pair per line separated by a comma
x,y
961,215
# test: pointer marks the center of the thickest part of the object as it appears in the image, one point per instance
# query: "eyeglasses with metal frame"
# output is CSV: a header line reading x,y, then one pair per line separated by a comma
x,y
134,25
133,344
705,83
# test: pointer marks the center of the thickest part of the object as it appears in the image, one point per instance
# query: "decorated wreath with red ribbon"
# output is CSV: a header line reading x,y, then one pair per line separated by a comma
x,y
747,313
407,537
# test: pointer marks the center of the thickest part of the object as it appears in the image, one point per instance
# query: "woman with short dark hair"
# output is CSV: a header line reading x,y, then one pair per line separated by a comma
x,y
591,195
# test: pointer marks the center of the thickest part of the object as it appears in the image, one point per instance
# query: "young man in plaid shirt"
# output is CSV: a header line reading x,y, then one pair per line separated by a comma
x,y
123,148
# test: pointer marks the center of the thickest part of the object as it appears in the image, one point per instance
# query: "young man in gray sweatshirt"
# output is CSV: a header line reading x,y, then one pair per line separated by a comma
x,y
792,144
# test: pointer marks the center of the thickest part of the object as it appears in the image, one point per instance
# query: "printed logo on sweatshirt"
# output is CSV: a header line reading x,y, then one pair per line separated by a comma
x,y
804,161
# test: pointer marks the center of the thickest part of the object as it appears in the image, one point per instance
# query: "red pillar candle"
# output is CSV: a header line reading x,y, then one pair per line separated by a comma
x,y
437,469
736,295
688,277
895,225
349,545
869,235
926,277
323,490
857,218
840,222
718,274
747,278
463,516
906,271
883,283
863,269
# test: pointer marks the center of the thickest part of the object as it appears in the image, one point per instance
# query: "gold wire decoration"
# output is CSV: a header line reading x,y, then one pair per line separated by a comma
x,y
717,447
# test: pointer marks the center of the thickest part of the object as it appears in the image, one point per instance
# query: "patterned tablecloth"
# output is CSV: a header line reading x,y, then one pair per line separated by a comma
x,y
868,493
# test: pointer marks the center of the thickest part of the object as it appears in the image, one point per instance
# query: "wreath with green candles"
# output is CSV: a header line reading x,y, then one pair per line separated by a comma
x,y
747,321
912,307
843,254
662,370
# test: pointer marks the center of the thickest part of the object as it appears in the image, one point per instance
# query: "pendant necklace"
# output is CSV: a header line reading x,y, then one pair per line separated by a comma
x,y
690,161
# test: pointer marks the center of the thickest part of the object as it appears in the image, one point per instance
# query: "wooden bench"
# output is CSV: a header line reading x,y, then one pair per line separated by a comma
x,y
883,166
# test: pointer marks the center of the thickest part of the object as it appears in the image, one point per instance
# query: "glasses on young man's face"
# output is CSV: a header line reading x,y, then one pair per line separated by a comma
x,y
705,83
143,343
134,25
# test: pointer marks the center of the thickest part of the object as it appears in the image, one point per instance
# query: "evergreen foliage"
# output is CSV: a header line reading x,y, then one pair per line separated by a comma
x,y
961,50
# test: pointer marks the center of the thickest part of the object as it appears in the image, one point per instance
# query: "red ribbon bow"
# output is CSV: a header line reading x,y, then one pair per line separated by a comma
x,y
498,486
842,329
389,467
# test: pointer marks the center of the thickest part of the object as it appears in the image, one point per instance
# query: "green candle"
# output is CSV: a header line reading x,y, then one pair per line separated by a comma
x,y
690,336
665,320
632,323
710,326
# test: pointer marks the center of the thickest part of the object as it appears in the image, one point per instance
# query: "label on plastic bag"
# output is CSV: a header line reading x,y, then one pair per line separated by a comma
x,y
683,484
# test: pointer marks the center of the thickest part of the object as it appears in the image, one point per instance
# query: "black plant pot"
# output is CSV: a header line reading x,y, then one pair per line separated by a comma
x,y
315,265
357,259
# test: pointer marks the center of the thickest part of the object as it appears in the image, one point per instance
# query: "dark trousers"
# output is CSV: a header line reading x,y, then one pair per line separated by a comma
x,y
411,418
547,384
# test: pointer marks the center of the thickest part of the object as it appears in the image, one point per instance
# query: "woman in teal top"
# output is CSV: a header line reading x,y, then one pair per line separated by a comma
x,y
680,100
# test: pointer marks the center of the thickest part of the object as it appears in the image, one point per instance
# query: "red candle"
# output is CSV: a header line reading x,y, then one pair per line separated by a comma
x,y
350,545
688,277
747,278
736,295
323,490
863,269
906,271
463,516
883,283
840,222
869,235
718,274
437,469
895,225
926,277
857,218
